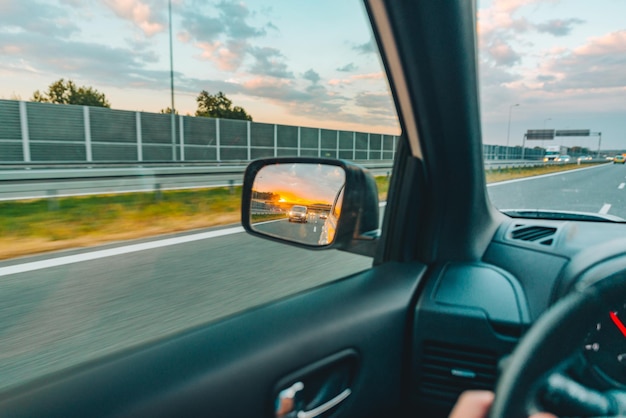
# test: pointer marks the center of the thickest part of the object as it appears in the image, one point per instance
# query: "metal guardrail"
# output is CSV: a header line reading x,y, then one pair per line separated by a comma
x,y
36,182
502,164
28,183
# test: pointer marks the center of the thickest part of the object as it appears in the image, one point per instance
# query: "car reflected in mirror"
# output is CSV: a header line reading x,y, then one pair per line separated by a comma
x,y
298,202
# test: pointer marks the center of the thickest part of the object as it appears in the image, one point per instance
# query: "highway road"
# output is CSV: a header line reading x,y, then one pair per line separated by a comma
x,y
305,233
61,309
597,189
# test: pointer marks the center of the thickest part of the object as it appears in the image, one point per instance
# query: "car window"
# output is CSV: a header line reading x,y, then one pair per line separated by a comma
x,y
551,86
112,233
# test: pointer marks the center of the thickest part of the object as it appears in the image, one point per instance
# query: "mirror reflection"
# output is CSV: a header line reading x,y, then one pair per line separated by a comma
x,y
298,202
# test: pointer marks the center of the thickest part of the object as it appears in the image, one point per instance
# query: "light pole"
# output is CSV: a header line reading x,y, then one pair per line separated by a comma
x,y
173,112
508,131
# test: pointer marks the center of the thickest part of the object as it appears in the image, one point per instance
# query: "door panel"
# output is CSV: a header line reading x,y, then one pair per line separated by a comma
x,y
232,368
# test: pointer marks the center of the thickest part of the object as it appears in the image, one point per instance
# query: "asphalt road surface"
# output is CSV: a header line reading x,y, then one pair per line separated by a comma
x,y
597,189
305,233
55,317
63,309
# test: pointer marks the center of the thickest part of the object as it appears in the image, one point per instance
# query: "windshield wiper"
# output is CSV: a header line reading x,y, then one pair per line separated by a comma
x,y
561,215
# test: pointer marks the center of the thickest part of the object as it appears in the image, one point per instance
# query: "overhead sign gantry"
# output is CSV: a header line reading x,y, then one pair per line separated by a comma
x,y
550,134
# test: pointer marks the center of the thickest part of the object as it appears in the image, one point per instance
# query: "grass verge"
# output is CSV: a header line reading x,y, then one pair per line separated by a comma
x,y
494,176
28,227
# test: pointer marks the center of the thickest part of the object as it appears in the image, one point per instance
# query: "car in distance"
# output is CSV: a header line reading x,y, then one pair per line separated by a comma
x,y
563,158
619,159
298,214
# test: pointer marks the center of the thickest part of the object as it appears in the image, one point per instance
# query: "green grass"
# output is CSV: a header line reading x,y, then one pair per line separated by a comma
x,y
90,220
34,226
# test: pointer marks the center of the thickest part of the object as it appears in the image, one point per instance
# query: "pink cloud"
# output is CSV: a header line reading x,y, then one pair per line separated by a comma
x,y
352,78
338,82
183,37
500,16
227,56
10,49
264,82
138,12
502,53
612,43
369,76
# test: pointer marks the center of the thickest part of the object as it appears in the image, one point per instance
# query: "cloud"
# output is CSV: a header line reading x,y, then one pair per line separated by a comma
x,y
502,54
226,56
598,64
558,27
281,90
225,38
36,17
201,27
545,78
312,76
339,82
369,76
347,68
376,103
319,103
500,17
83,60
138,12
347,81
269,61
368,47
236,26
497,27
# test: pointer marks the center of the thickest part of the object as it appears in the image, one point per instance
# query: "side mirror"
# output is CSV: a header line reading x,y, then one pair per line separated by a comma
x,y
311,202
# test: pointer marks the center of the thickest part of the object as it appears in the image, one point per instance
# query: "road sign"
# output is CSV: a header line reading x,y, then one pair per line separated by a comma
x,y
573,132
542,134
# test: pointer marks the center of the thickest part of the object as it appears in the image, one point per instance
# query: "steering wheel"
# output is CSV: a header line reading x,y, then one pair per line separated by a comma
x,y
532,376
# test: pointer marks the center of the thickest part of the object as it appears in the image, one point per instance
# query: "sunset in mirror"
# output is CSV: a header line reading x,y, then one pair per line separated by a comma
x,y
294,200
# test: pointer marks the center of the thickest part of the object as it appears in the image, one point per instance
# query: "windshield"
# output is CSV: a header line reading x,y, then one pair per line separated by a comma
x,y
552,88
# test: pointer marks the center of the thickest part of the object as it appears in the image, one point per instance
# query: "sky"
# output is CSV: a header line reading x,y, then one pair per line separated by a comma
x,y
313,63
301,183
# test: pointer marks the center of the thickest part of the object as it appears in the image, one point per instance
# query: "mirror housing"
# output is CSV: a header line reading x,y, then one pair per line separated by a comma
x,y
356,229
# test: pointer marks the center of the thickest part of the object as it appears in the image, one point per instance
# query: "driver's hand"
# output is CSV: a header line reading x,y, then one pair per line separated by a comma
x,y
476,404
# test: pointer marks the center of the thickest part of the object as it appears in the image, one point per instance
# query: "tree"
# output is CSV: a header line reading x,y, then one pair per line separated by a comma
x,y
168,111
66,92
219,106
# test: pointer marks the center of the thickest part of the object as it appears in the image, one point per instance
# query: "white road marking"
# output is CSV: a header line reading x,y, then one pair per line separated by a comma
x,y
314,229
111,252
621,186
126,249
605,209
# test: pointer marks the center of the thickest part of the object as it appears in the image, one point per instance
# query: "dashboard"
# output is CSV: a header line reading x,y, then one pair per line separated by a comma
x,y
470,316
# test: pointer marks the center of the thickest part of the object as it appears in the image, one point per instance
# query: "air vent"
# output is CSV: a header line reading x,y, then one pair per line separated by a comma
x,y
543,235
447,370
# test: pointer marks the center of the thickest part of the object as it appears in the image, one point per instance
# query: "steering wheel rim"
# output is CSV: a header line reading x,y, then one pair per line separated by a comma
x,y
552,340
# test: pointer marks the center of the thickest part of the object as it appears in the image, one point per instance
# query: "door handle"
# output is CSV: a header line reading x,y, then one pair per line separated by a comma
x,y
316,412
286,403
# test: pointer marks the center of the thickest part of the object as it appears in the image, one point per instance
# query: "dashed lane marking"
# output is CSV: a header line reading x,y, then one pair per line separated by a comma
x,y
605,209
